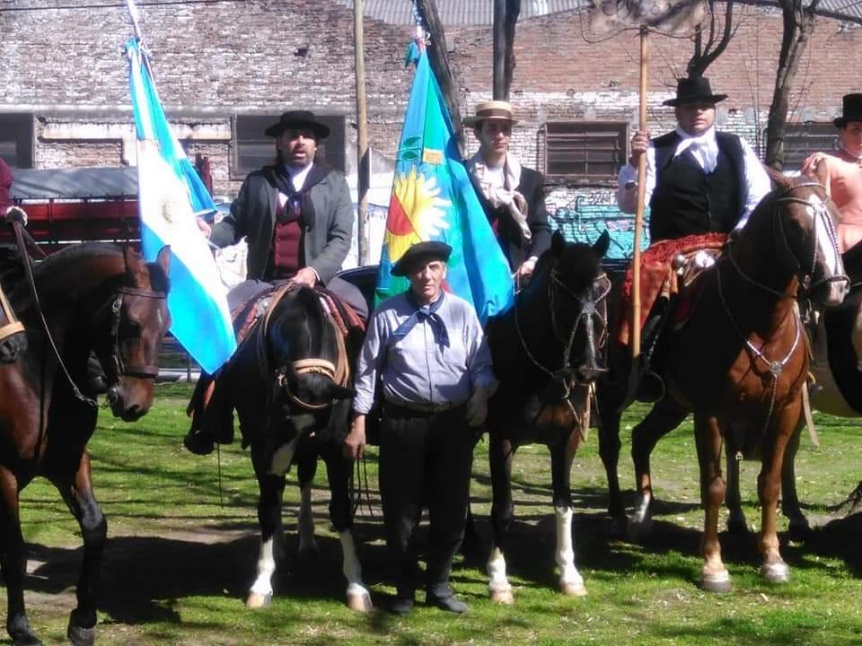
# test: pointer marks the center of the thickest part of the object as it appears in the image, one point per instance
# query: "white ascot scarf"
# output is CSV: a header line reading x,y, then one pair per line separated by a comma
x,y
704,148
501,195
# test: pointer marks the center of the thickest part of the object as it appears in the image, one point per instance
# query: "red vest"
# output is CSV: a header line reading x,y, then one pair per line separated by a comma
x,y
287,254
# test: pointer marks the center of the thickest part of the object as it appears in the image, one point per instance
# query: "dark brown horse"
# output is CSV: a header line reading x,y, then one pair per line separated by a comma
x,y
547,350
739,363
291,384
98,298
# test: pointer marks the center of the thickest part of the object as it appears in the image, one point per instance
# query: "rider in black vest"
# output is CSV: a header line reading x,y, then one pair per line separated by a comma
x,y
698,180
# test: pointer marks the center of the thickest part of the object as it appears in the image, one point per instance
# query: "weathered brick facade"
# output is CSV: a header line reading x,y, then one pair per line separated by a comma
x,y
214,60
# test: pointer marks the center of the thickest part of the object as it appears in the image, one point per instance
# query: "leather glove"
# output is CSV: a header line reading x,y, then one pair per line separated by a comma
x,y
16,213
477,407
354,443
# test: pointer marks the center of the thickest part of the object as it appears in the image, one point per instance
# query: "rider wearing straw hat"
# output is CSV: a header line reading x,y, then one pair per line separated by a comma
x,y
512,195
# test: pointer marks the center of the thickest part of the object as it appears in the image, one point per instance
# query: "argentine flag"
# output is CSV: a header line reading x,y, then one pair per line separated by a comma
x,y
434,199
171,195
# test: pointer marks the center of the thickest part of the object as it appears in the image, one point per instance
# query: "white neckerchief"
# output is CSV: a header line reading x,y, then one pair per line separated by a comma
x,y
704,148
843,148
505,194
298,176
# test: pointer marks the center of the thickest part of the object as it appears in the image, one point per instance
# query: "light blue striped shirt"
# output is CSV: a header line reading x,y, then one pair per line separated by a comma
x,y
416,368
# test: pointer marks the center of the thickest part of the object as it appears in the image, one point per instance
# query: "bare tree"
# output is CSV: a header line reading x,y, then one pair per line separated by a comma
x,y
506,14
799,20
711,40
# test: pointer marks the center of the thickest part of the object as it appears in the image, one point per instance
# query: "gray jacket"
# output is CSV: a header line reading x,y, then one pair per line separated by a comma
x,y
252,214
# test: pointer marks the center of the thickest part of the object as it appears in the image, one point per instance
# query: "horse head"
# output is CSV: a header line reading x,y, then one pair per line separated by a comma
x,y
308,357
128,333
805,220
576,285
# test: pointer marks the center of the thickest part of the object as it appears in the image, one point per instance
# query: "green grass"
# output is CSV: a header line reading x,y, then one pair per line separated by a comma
x,y
183,544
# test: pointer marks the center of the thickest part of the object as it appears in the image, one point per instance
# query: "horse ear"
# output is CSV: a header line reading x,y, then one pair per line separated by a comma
x,y
558,243
163,260
778,178
600,247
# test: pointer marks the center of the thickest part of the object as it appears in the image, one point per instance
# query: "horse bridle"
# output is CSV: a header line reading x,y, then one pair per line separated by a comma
x,y
821,213
303,367
589,309
119,366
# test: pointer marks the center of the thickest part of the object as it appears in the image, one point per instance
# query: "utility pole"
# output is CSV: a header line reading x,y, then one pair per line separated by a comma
x,y
362,169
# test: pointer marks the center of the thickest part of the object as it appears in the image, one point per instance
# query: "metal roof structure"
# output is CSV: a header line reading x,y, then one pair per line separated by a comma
x,y
465,13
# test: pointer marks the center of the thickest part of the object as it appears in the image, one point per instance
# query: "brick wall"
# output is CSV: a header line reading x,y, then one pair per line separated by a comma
x,y
214,60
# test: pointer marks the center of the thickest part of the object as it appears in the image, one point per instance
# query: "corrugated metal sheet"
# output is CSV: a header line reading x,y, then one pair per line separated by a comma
x,y
458,12
481,12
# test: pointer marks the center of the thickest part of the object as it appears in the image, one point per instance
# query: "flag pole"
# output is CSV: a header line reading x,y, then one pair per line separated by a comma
x,y
362,170
639,213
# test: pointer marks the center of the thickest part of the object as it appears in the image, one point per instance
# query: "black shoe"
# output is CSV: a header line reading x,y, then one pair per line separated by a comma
x,y
199,442
449,604
401,606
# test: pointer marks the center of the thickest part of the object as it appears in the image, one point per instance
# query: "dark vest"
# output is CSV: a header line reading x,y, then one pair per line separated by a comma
x,y
286,257
688,201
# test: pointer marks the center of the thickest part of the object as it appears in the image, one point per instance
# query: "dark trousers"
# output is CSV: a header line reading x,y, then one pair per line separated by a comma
x,y
425,459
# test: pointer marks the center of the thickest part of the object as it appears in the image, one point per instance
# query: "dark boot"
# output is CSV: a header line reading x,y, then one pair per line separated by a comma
x,y
212,416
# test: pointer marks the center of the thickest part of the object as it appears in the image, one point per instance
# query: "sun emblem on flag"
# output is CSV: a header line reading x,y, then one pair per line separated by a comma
x,y
416,212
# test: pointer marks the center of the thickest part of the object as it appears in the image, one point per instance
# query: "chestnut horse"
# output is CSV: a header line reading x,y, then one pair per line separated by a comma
x,y
547,351
92,297
290,382
739,363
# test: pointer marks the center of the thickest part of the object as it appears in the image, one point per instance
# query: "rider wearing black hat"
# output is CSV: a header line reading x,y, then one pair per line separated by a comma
x,y
297,216
698,180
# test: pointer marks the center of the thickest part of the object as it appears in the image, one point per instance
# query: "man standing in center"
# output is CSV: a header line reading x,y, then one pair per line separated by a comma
x,y
427,348
512,195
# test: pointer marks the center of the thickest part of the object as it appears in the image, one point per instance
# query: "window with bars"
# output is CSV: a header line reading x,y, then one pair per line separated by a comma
x,y
17,139
252,149
802,139
589,149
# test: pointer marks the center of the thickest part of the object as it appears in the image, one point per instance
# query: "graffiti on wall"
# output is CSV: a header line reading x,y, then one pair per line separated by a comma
x,y
592,213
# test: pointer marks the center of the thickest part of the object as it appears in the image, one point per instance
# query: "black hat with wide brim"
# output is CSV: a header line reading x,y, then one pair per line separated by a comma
x,y
420,254
694,90
852,110
298,120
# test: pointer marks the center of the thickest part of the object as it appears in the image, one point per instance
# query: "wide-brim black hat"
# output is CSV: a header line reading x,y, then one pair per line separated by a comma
x,y
298,120
852,109
420,254
694,90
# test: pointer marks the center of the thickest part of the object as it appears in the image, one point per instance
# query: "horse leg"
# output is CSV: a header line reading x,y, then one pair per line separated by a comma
x,y
500,453
798,528
271,487
571,581
306,468
339,471
609,417
736,522
708,438
785,426
13,562
77,492
664,417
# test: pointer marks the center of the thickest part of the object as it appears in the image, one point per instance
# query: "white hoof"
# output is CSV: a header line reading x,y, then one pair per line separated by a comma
x,y
502,597
573,588
256,600
360,602
775,572
715,581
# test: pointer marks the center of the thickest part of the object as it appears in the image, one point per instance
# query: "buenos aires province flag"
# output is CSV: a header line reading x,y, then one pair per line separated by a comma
x,y
170,196
434,199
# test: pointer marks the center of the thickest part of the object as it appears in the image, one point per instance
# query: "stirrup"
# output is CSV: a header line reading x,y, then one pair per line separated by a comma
x,y
651,387
199,442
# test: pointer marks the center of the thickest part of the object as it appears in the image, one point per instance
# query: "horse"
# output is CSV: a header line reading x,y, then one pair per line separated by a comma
x,y
739,362
835,388
91,297
290,383
547,351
